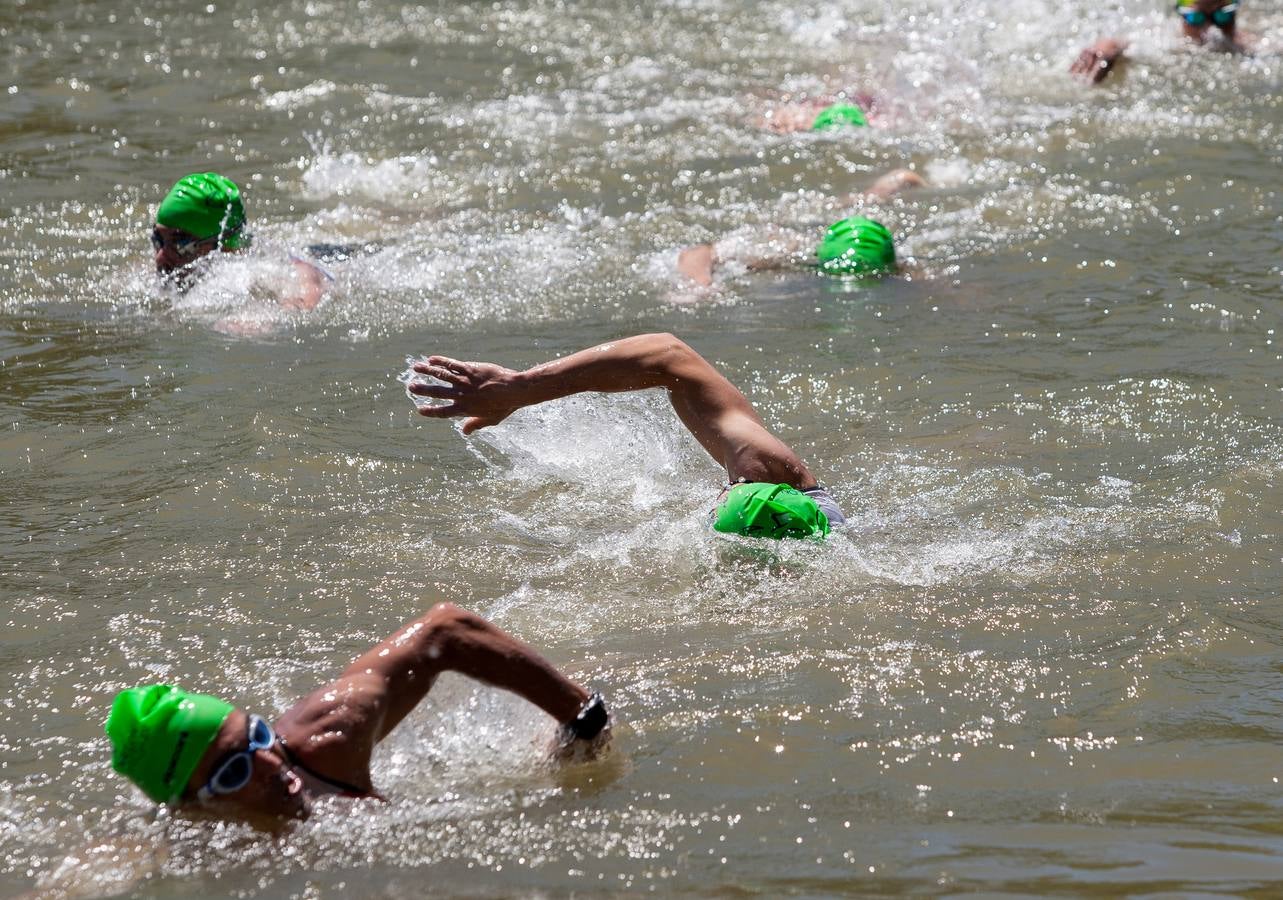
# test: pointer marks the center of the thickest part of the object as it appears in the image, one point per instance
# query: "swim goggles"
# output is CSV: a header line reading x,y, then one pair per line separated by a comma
x,y
187,247
234,772
1197,18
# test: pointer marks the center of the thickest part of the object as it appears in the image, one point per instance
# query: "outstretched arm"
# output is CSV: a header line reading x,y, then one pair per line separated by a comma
x,y
887,186
717,414
336,727
1097,61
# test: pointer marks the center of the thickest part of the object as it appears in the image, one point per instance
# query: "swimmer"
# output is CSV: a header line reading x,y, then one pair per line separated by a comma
x,y
871,251
770,493
821,115
203,214
1197,20
191,749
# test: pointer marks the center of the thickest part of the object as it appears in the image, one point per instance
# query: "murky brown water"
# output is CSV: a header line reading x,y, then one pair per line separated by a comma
x,y
1043,658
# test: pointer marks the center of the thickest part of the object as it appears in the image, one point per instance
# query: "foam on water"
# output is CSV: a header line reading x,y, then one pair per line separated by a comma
x,y
940,98
405,183
294,99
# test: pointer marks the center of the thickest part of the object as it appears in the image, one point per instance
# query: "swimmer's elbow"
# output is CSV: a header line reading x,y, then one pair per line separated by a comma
x,y
654,337
671,356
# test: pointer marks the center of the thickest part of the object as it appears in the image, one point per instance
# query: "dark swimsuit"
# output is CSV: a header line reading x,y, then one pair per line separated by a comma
x,y
342,787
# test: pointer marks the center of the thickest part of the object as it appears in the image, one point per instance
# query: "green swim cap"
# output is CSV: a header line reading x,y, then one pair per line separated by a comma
x,y
856,246
839,115
759,509
158,735
204,205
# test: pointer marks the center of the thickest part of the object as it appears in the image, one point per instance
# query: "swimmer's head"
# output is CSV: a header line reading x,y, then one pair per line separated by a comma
x,y
202,213
206,205
839,115
760,509
856,246
159,734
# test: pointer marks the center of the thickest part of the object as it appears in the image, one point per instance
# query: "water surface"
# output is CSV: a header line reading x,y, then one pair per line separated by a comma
x,y
1043,657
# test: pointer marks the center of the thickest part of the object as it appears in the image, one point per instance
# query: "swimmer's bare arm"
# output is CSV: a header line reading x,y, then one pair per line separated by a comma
x,y
716,412
888,185
310,285
697,263
1097,61
777,250
336,727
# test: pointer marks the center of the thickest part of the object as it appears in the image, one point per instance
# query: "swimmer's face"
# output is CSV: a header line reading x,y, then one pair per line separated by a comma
x,y
176,248
274,789
1206,8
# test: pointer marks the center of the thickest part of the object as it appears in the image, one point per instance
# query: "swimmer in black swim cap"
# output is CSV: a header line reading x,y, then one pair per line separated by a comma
x,y
714,410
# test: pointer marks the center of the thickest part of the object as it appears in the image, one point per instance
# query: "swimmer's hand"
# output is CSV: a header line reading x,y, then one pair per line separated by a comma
x,y
1097,61
586,736
571,752
485,393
